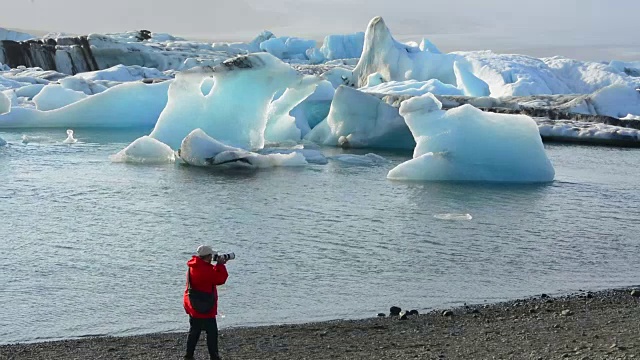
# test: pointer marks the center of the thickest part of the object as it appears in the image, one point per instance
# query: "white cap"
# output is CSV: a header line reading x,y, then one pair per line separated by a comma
x,y
204,250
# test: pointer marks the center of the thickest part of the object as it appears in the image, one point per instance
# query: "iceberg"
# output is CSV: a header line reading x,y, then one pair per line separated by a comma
x,y
234,111
395,61
129,105
466,144
361,120
343,46
199,149
145,150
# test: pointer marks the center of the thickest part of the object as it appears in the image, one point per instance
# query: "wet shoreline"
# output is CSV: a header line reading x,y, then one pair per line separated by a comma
x,y
598,325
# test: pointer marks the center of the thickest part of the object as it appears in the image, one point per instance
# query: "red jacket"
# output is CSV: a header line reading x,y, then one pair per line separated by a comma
x,y
204,277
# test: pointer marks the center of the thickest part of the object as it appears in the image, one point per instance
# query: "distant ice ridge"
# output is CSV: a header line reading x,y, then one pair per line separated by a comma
x,y
466,144
133,104
587,131
6,34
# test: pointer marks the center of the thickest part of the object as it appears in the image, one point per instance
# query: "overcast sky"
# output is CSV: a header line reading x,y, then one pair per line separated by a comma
x,y
587,29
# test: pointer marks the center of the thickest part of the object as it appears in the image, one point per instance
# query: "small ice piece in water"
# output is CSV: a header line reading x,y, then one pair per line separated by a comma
x,y
70,139
453,217
145,150
200,149
2,142
365,160
35,139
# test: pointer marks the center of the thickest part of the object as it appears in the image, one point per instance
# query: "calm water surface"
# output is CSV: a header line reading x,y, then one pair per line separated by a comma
x,y
90,247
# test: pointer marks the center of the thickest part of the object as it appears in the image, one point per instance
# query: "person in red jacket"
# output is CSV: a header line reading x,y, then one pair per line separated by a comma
x,y
201,294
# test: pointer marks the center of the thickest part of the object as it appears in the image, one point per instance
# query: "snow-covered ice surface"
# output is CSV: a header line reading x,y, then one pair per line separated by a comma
x,y
466,144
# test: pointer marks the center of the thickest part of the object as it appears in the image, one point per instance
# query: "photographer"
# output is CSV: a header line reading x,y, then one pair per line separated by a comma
x,y
201,298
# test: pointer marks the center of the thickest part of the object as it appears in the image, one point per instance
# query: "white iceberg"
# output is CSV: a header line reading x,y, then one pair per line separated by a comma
x,y
466,144
145,150
70,139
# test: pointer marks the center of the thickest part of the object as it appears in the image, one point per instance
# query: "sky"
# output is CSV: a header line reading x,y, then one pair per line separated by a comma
x,y
583,29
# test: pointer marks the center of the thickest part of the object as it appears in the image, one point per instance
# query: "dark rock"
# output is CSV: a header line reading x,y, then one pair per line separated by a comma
x,y
544,296
394,311
635,293
382,315
414,312
447,313
404,315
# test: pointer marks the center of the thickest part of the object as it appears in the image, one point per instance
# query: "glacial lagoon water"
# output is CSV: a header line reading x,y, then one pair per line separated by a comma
x,y
91,247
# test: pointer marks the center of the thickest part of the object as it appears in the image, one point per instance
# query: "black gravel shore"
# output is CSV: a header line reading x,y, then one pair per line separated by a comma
x,y
600,325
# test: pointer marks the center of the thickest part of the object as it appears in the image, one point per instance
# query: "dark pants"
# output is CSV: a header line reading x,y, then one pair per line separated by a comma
x,y
196,327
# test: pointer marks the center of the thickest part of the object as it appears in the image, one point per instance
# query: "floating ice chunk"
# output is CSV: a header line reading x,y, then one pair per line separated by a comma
x,y
2,142
312,156
54,96
145,150
357,119
363,160
70,139
466,144
281,126
26,139
29,91
455,217
5,103
631,117
469,83
199,149
235,110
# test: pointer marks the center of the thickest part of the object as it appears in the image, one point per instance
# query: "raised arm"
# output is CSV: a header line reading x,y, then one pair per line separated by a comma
x,y
219,274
